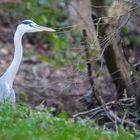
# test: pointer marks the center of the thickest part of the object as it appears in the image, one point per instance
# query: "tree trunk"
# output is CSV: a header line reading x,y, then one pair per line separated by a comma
x,y
115,60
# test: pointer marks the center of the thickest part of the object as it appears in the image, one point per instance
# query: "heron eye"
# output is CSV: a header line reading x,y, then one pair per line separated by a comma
x,y
30,25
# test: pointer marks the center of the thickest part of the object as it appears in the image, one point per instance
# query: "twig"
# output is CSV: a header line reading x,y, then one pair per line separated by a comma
x,y
119,120
124,116
110,114
89,66
89,111
101,107
115,118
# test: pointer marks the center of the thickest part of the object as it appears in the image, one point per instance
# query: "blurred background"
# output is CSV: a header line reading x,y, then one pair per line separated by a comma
x,y
55,70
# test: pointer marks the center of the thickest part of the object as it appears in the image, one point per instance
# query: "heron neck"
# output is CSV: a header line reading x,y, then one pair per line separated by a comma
x,y
11,72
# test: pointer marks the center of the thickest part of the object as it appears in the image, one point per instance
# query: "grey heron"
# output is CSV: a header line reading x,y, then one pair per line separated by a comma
x,y
7,79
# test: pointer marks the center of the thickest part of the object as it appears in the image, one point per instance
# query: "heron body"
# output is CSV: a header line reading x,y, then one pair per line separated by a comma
x,y
7,79
6,92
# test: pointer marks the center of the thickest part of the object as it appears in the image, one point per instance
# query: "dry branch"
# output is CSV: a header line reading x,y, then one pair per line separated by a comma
x,y
89,66
106,107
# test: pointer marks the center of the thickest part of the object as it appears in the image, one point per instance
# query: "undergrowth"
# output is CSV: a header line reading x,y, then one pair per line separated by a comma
x,y
19,122
46,13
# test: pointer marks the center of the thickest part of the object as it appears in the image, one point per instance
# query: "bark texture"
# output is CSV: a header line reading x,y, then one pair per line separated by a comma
x,y
115,60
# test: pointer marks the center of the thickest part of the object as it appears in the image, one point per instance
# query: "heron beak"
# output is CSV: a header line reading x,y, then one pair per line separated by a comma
x,y
42,28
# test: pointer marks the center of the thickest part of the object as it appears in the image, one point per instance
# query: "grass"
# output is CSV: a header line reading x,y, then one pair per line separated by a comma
x,y
20,122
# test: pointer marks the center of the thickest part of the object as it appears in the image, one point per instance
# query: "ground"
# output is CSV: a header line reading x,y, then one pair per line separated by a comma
x,y
39,83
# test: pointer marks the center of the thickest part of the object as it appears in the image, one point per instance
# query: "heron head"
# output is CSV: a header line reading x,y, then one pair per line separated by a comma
x,y
27,26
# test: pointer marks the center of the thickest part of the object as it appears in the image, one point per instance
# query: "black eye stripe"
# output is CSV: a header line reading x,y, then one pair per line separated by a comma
x,y
26,22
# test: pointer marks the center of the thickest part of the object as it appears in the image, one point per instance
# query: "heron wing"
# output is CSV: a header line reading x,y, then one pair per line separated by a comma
x,y
6,92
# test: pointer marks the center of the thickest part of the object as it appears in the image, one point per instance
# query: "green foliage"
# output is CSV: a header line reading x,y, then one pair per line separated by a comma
x,y
134,39
21,122
61,44
130,38
46,13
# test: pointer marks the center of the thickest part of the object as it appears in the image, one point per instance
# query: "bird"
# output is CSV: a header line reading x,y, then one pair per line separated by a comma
x,y
6,80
